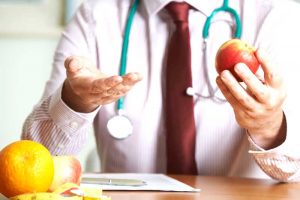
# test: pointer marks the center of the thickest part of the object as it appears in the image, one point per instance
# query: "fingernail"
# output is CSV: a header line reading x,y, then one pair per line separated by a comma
x,y
225,75
240,67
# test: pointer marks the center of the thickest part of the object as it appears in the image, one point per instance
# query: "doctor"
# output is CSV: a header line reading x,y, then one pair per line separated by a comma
x,y
253,134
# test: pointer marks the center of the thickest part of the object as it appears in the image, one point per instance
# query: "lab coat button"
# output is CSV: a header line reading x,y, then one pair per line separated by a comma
x,y
74,125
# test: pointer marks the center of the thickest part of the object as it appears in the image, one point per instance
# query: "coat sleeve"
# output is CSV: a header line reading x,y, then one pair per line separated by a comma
x,y
52,122
280,37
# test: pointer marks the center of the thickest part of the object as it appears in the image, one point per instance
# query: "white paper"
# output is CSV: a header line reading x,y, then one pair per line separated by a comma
x,y
154,182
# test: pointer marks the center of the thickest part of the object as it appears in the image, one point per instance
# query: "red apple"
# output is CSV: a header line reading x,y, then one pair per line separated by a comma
x,y
67,169
236,51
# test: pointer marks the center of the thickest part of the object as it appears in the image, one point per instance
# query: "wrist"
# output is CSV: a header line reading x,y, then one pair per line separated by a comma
x,y
74,101
270,136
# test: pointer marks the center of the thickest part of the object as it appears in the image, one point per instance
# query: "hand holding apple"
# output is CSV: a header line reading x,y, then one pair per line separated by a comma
x,y
67,169
257,104
236,51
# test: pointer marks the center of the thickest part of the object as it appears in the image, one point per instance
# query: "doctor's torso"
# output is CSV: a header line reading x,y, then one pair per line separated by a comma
x,y
221,145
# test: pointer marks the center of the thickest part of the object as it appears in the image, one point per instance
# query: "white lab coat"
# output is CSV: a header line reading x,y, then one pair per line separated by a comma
x,y
222,146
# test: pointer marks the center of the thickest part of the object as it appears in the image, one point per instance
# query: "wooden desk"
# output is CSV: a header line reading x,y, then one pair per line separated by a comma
x,y
218,188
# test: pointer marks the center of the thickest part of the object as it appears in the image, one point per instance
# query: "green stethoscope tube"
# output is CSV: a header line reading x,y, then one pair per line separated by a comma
x,y
125,46
205,33
223,8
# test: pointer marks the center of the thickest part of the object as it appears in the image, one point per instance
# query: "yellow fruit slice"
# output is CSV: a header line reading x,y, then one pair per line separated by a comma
x,y
44,196
68,191
97,198
91,194
66,188
62,193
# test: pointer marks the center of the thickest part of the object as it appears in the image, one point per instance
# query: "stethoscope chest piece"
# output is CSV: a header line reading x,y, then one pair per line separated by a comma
x,y
119,127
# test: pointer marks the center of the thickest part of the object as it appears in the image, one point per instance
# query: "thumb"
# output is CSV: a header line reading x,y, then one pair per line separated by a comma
x,y
73,66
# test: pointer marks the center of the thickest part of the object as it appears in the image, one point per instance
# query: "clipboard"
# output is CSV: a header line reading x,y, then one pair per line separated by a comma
x,y
134,182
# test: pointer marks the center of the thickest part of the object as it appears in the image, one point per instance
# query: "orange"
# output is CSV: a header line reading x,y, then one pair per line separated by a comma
x,y
25,167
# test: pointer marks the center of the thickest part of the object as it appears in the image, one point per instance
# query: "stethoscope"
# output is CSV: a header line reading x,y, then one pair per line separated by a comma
x,y
120,126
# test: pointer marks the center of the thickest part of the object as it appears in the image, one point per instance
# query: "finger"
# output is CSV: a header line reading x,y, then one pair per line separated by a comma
x,y
236,90
132,78
76,64
72,66
104,84
254,85
271,73
116,85
119,90
226,92
129,80
67,61
241,113
114,94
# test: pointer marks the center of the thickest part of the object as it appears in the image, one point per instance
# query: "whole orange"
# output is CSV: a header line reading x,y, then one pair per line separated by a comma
x,y
25,167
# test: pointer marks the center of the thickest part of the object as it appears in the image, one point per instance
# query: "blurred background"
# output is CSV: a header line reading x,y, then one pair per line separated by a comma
x,y
29,32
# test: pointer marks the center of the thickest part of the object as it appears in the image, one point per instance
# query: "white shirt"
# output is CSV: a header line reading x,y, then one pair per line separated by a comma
x,y
221,145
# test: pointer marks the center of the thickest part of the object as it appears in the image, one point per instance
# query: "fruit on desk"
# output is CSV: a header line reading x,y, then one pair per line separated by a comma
x,y
44,196
66,169
236,51
66,188
68,191
55,196
25,167
62,193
